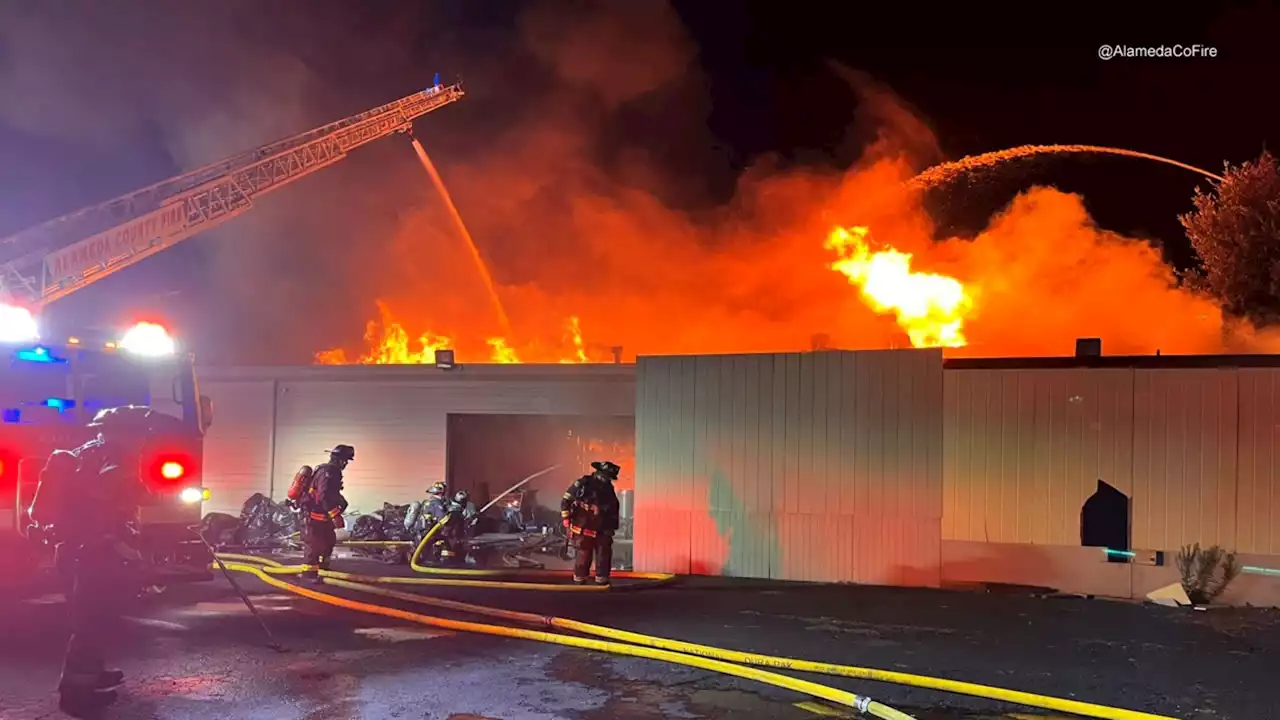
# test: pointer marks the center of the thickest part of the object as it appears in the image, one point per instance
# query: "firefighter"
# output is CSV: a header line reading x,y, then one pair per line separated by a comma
x,y
423,515
461,517
324,504
589,510
88,503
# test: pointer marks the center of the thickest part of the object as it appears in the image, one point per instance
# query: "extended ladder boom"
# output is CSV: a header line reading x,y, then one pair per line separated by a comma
x,y
58,257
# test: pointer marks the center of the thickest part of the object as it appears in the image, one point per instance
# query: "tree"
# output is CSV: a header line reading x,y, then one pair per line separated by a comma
x,y
1235,229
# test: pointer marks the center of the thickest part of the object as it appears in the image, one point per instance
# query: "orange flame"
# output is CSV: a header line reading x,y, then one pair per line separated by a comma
x,y
388,344
930,308
579,347
502,354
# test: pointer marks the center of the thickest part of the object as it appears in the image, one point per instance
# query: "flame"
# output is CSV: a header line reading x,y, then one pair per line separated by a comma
x,y
930,308
389,344
579,347
502,354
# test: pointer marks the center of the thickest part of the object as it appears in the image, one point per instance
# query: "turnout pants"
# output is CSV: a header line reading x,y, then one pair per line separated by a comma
x,y
320,537
593,547
100,585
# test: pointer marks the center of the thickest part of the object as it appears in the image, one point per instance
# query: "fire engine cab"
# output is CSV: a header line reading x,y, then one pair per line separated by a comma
x,y
48,395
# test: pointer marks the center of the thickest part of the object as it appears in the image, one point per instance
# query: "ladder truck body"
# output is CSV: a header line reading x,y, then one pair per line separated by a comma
x,y
48,391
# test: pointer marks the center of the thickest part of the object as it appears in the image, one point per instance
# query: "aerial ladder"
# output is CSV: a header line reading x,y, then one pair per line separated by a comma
x,y
58,257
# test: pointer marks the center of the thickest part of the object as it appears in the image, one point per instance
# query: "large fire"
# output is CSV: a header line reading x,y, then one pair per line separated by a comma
x,y
930,308
390,344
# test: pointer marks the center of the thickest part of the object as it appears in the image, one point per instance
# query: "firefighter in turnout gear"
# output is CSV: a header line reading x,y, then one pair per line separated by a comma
x,y
423,515
323,505
460,517
87,504
589,510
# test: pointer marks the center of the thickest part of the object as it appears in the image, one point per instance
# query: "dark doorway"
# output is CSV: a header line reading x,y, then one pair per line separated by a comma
x,y
486,454
1104,519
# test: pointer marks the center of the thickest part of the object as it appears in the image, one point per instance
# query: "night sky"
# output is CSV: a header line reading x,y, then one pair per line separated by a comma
x,y
765,88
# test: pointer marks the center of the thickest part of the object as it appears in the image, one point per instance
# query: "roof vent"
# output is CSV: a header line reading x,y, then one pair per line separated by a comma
x,y
1088,347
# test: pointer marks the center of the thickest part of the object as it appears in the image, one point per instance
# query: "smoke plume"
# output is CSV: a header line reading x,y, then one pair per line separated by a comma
x,y
560,162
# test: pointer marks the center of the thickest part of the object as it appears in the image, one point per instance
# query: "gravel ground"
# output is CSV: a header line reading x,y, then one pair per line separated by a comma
x,y
197,653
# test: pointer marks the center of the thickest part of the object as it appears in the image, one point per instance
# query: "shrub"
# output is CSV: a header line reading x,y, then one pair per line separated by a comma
x,y
1206,572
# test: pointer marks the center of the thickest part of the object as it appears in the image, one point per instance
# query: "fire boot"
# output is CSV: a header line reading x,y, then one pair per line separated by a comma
x,y
80,703
91,682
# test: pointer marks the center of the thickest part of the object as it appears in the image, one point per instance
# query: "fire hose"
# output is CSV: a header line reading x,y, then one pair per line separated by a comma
x,y
617,641
731,662
268,568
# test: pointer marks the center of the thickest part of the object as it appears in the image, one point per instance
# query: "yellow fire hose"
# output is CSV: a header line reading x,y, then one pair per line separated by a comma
x,y
684,649
841,697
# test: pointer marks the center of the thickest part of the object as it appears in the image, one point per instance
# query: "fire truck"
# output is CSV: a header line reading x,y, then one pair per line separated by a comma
x,y
48,395
49,392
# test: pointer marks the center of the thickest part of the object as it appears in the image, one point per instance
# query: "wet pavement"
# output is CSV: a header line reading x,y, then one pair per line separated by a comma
x,y
197,653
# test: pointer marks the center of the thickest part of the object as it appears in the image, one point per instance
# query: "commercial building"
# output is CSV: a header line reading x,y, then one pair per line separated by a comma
x,y
887,467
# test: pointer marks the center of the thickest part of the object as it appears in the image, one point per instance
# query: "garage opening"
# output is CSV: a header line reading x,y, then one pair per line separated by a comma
x,y
486,454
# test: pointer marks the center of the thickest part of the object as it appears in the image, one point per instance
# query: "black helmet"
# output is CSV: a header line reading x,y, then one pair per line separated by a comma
x,y
462,497
132,419
345,453
437,488
606,469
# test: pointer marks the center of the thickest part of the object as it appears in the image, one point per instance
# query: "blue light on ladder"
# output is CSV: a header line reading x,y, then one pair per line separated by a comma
x,y
61,404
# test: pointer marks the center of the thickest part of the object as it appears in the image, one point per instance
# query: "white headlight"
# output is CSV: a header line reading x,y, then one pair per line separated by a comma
x,y
191,496
17,324
148,339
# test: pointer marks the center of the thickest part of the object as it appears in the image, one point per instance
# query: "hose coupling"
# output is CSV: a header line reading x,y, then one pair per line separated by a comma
x,y
861,703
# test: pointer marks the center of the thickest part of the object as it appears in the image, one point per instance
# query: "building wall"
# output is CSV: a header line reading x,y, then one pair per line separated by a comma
x,y
1193,449
269,421
819,466
1025,448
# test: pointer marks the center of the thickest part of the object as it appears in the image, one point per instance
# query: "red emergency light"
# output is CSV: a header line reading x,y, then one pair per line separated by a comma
x,y
167,469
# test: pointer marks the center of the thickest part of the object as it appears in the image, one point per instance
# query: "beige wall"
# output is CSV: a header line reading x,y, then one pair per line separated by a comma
x,y
819,466
1024,449
1193,448
269,421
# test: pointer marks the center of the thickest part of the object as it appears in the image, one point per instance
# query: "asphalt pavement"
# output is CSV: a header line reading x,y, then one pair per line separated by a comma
x,y
196,652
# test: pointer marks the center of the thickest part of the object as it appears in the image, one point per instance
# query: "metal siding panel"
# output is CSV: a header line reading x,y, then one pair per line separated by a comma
x,y
644,468
848,410
646,551
398,431
709,461
816,492
892,530
954,515
1185,457
931,416
1026,447
1257,504
662,519
834,424
791,431
745,528
677,481
779,452
237,447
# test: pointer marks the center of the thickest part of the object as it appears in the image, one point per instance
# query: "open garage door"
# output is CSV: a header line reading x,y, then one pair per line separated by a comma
x,y
486,454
